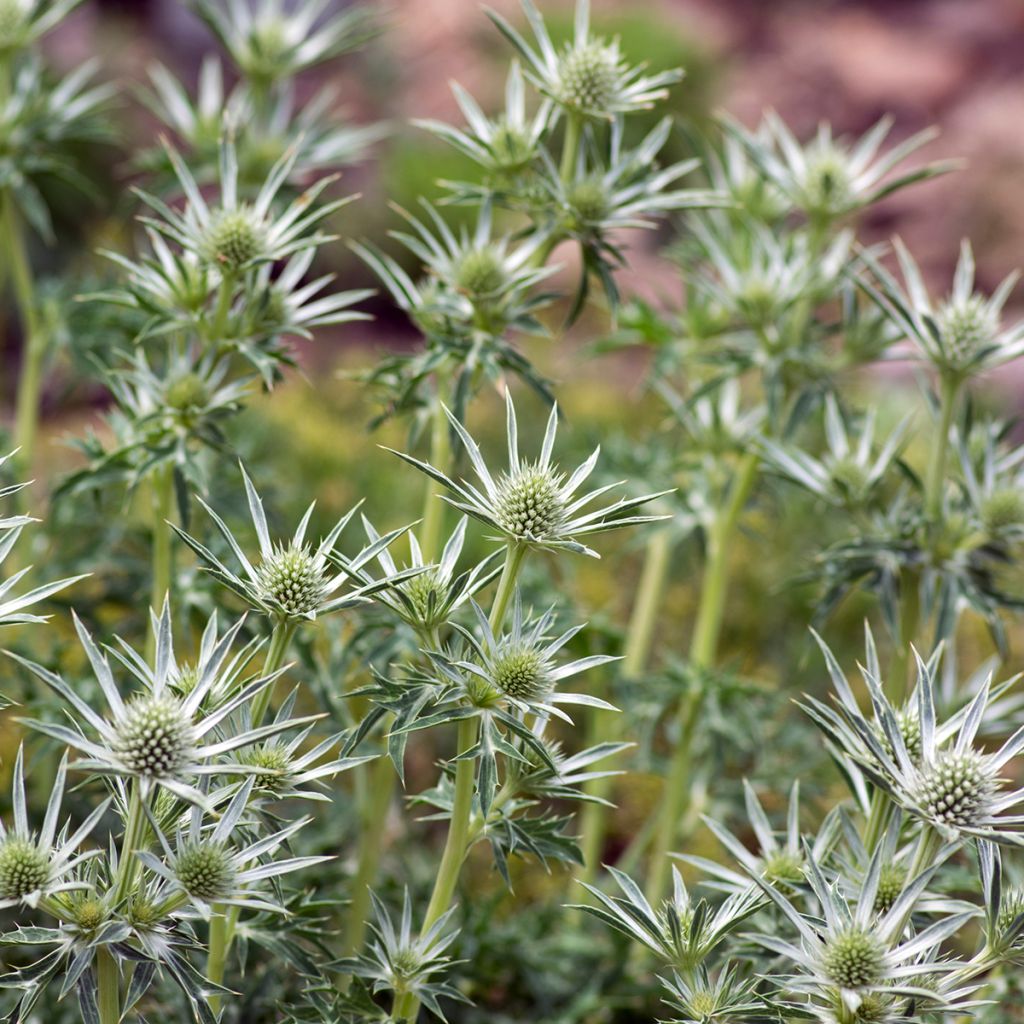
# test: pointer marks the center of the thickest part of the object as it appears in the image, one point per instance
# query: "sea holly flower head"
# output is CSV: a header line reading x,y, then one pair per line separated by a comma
x,y
934,770
292,580
828,178
156,736
428,599
235,234
207,864
961,335
534,503
504,145
520,666
589,77
34,866
271,40
856,956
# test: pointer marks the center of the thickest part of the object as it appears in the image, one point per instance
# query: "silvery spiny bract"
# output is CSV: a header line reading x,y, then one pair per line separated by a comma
x,y
534,503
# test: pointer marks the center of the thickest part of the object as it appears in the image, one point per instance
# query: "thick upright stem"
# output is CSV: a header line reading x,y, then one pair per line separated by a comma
x,y
108,996
133,839
570,148
703,650
280,638
514,555
948,395
606,727
30,381
406,1005
441,458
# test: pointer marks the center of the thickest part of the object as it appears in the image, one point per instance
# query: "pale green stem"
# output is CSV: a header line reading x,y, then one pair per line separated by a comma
x,y
225,919
456,845
570,148
703,650
108,995
133,839
280,638
223,310
606,727
26,423
936,478
900,668
879,816
432,527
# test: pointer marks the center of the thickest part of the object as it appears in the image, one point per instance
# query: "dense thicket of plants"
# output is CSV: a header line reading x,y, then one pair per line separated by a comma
x,y
219,806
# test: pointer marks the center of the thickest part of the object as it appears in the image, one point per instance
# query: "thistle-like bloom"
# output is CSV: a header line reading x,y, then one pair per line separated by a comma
x,y
156,736
490,278
207,866
779,863
828,179
856,957
22,22
33,866
853,468
520,666
235,235
684,932
934,770
399,960
534,503
429,599
271,40
588,78
291,580
724,999
1004,907
961,335
503,145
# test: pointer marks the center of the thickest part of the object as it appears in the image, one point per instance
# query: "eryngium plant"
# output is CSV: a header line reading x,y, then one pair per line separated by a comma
x,y
202,821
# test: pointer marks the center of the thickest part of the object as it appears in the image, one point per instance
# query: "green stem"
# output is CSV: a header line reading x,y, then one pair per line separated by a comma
x,y
133,839
406,1004
225,919
910,622
703,650
606,727
514,555
280,638
949,393
220,317
440,458
26,423
570,148
108,994
879,816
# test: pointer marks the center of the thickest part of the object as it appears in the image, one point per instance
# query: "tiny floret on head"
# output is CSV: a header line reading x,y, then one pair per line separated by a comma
x,y
154,737
24,868
292,579
854,959
233,239
589,77
205,871
955,789
529,502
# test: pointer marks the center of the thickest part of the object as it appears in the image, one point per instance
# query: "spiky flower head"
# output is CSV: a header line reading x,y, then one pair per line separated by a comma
x,y
521,673
480,273
1010,921
854,958
24,867
274,762
588,77
205,871
955,789
1003,510
292,579
233,238
89,913
892,880
967,325
534,503
154,737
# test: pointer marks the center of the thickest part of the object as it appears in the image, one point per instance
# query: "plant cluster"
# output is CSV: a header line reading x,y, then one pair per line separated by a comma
x,y
228,854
